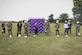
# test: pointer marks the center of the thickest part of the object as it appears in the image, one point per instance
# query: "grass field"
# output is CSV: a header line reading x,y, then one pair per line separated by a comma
x,y
41,44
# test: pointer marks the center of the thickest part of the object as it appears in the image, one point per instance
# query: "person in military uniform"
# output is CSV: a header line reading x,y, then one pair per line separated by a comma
x,y
26,29
9,25
77,28
3,28
57,26
47,28
19,26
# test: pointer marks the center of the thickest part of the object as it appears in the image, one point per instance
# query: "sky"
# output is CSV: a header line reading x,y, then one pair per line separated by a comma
x,y
16,10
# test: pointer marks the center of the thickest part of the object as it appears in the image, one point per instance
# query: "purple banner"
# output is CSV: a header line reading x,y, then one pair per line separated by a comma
x,y
40,25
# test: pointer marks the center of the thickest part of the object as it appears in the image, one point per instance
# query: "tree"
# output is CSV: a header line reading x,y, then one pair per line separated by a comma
x,y
63,17
77,10
23,21
51,19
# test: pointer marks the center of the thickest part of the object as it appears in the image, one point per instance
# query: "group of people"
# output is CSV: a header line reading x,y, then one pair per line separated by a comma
x,y
19,26
67,28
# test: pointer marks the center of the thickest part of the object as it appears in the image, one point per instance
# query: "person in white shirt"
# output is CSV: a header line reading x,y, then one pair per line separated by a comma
x,y
66,28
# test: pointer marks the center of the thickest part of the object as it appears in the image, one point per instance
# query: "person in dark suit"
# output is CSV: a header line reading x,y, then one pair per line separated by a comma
x,y
19,26
3,28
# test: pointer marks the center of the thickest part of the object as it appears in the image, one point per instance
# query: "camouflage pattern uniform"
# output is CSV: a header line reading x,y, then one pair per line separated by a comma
x,y
57,25
77,28
9,25
26,29
47,28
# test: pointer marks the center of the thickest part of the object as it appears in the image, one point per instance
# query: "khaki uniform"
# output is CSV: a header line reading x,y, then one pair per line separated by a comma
x,y
26,29
57,25
9,25
47,28
77,28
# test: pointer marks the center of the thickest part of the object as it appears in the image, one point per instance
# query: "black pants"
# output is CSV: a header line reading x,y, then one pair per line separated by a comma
x,y
36,31
57,32
66,31
3,30
18,31
69,30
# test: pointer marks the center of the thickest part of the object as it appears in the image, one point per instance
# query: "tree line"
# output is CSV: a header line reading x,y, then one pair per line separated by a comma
x,y
77,13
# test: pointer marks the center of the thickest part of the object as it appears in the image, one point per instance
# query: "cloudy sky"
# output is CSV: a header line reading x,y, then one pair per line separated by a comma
x,y
24,9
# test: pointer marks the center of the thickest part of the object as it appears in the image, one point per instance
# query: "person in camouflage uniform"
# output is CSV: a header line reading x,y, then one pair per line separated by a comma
x,y
47,28
26,29
9,25
19,25
57,26
77,29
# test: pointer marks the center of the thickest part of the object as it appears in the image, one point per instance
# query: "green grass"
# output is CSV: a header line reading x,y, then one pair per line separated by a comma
x,y
41,45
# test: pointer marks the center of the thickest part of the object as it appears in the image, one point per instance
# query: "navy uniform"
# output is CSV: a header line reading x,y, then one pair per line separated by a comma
x,y
9,25
77,28
19,25
69,26
26,29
